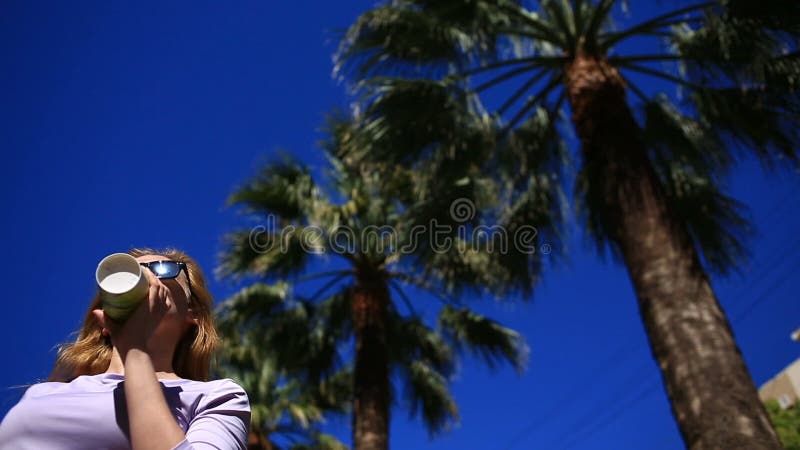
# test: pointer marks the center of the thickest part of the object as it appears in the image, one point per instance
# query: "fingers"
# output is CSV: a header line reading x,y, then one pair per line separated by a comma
x,y
168,299
152,279
162,293
164,297
159,294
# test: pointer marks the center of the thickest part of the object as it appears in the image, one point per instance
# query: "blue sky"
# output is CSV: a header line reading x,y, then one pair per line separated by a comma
x,y
128,125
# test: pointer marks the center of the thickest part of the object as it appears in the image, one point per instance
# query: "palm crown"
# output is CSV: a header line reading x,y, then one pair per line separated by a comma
x,y
451,55
282,407
483,83
308,336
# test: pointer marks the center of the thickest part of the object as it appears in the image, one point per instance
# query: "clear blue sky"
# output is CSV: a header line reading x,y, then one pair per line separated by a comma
x,y
128,125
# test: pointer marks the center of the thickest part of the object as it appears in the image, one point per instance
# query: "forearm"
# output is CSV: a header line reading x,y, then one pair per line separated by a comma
x,y
151,423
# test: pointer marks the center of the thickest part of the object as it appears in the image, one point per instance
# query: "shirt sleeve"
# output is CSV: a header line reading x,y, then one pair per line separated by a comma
x,y
221,421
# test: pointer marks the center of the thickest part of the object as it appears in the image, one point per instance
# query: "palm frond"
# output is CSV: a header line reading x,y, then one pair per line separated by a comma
x,y
675,137
609,40
312,344
561,14
775,15
265,251
480,19
747,60
511,100
691,160
535,101
392,37
410,339
335,392
429,397
282,196
304,338
281,405
321,441
530,162
467,265
254,303
395,131
497,250
284,188
716,222
763,122
470,331
599,16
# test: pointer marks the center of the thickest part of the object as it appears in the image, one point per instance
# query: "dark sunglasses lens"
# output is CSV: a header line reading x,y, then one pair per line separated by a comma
x,y
165,269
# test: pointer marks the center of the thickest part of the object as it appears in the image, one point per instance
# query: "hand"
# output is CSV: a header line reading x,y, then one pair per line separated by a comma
x,y
137,330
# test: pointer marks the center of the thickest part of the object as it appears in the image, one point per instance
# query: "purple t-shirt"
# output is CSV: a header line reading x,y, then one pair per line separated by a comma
x,y
90,412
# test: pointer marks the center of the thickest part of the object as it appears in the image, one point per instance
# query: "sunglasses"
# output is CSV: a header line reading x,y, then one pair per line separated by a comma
x,y
168,269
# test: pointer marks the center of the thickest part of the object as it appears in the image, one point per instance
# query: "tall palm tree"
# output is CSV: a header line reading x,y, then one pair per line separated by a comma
x,y
650,180
284,408
373,240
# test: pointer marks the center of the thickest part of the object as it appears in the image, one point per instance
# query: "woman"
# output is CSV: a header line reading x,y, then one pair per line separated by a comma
x,y
141,384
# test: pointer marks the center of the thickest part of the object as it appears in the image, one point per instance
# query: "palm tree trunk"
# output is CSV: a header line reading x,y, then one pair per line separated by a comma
x,y
713,397
371,379
257,440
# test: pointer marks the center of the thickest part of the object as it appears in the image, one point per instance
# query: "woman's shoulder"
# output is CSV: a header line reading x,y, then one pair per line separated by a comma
x,y
83,383
200,393
226,385
221,386
223,393
228,389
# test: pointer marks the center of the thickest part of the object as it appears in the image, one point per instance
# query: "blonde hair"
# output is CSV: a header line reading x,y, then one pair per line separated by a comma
x,y
91,352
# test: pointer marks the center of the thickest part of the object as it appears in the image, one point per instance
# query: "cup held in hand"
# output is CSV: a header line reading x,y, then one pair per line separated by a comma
x,y
122,285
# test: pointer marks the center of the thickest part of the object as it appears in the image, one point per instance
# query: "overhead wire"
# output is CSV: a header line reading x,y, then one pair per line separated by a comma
x,y
590,429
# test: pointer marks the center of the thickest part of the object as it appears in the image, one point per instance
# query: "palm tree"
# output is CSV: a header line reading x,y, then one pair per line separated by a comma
x,y
373,241
650,182
283,408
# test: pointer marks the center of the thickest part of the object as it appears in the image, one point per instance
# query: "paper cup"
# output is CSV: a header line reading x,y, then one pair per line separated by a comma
x,y
122,285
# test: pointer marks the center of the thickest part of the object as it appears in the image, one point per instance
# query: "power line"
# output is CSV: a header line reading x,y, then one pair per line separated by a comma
x,y
778,207
790,250
585,423
598,425
520,436
593,428
559,405
758,300
616,413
